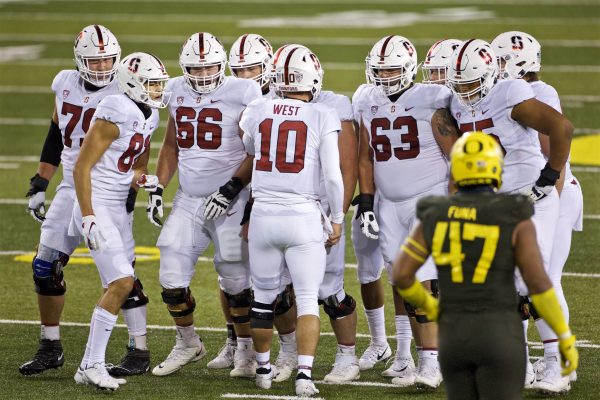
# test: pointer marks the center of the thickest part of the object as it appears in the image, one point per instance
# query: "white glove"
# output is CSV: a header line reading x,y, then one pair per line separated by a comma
x,y
369,225
94,238
536,193
216,204
36,206
155,205
148,182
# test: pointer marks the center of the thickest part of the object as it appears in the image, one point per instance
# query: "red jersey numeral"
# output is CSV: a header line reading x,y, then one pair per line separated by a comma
x,y
137,145
480,126
382,146
76,111
208,135
283,135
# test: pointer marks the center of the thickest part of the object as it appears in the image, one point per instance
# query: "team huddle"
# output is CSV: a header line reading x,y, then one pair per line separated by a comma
x,y
268,165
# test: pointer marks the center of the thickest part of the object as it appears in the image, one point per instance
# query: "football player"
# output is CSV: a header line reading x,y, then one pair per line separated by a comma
x,y
519,57
286,189
114,154
77,94
437,61
202,143
403,158
249,58
482,350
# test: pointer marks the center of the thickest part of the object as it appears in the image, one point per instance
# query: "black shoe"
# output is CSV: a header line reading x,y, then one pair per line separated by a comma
x,y
49,355
135,362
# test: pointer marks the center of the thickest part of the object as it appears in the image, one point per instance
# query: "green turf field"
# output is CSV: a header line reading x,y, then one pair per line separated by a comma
x,y
36,39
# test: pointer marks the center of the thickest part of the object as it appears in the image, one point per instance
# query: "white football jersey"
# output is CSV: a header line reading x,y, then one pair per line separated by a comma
x,y
75,107
407,161
208,136
523,158
112,175
286,135
547,94
340,103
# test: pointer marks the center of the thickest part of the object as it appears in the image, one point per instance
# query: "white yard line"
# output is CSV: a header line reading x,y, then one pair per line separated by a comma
x,y
263,396
308,40
361,2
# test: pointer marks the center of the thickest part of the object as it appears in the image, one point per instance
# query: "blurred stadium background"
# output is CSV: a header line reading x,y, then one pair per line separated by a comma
x,y
36,39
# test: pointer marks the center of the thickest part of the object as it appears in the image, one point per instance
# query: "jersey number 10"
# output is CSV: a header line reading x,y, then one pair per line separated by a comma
x,y
283,135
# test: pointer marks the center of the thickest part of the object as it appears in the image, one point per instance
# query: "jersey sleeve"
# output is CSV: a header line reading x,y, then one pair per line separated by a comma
x,y
58,79
356,103
549,95
520,207
329,122
171,87
329,157
252,92
344,108
248,120
517,92
110,109
442,98
427,206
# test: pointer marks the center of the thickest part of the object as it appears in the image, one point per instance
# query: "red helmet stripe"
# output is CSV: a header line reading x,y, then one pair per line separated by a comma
x,y
100,38
201,45
461,52
278,53
242,43
287,63
382,54
436,44
162,67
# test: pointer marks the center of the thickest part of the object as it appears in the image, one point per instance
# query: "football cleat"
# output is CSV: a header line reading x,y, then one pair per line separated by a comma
x,y
98,376
244,364
373,354
49,355
428,375
540,365
305,387
225,357
529,376
285,364
80,378
550,381
345,369
402,370
178,357
264,378
135,362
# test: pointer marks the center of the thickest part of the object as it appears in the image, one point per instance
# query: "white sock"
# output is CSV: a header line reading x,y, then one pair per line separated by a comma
x,y
429,354
104,323
546,334
305,365
550,349
403,335
525,328
188,335
50,332
287,342
135,318
88,348
345,352
244,343
376,322
262,359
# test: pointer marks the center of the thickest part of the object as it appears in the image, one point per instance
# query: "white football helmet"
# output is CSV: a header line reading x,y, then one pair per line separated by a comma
x,y
251,50
438,60
473,71
518,53
391,53
202,49
138,75
297,69
95,42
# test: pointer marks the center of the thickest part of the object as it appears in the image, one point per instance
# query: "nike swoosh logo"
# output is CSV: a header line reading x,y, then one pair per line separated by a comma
x,y
214,101
229,215
409,108
483,112
61,357
380,355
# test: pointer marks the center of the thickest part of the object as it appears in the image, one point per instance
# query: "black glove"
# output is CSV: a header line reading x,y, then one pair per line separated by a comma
x,y
368,222
364,202
247,212
218,202
544,184
130,203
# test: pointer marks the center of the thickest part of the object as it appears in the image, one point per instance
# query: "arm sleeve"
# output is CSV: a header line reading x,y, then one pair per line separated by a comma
x,y
330,162
53,146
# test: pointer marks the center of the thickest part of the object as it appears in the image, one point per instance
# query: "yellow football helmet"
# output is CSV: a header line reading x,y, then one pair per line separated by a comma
x,y
476,159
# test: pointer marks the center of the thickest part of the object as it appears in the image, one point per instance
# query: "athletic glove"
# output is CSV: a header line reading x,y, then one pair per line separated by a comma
x,y
420,298
368,222
37,197
568,353
217,203
94,238
148,182
247,212
155,205
544,185
130,202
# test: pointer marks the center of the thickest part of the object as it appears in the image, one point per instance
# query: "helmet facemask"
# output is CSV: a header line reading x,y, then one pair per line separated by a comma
x,y
204,84
433,74
390,85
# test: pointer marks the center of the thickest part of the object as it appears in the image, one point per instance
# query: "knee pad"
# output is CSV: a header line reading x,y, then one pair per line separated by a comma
x,y
48,275
307,305
285,300
137,297
240,300
262,315
339,309
180,301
